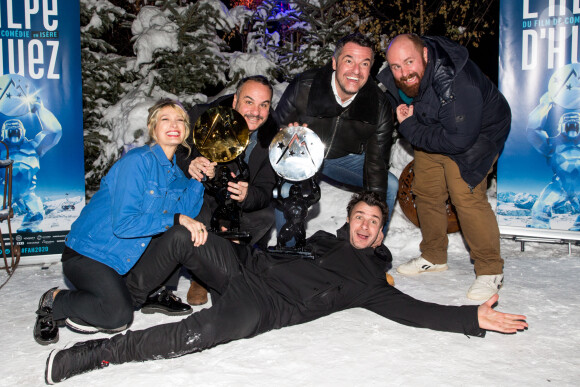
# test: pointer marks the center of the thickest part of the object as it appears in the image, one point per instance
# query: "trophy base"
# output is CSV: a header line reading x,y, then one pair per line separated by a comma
x,y
290,251
241,236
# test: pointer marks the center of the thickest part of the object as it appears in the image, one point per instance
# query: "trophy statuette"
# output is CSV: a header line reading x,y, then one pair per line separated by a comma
x,y
296,154
221,135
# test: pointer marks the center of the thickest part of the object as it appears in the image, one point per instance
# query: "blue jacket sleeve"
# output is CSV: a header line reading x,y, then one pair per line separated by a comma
x,y
130,216
190,203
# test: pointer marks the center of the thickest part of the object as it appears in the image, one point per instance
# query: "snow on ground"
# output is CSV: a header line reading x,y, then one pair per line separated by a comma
x,y
353,347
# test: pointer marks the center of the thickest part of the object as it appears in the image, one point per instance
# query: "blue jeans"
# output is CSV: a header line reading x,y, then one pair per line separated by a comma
x,y
347,170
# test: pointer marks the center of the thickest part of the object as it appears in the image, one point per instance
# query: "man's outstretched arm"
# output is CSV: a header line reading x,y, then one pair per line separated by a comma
x,y
471,320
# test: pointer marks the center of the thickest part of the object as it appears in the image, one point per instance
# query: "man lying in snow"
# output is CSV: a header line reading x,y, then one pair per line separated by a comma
x,y
255,292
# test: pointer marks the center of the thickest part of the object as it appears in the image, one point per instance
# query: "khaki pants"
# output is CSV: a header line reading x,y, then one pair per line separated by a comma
x,y
436,178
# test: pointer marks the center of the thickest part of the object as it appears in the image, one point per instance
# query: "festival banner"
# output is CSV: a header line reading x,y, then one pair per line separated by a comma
x,y
41,120
538,177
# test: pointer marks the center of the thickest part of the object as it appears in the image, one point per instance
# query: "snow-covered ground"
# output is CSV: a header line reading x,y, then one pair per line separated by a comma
x,y
350,348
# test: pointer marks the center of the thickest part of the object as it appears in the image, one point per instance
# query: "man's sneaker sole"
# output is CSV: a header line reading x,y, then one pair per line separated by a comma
x,y
484,287
153,309
431,269
48,370
89,330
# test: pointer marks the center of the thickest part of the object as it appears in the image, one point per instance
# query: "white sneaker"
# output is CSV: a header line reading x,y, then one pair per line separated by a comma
x,y
485,286
420,265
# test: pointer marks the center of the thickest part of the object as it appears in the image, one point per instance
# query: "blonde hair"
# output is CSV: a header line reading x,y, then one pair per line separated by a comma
x,y
153,117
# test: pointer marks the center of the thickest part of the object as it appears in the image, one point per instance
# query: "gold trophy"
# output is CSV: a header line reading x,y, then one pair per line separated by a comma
x,y
221,134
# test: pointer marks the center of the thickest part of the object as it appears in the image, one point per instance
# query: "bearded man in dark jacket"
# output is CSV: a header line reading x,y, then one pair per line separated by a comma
x,y
257,293
252,100
351,115
458,122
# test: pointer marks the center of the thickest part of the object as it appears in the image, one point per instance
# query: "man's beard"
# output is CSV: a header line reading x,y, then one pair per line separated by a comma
x,y
345,91
343,88
410,91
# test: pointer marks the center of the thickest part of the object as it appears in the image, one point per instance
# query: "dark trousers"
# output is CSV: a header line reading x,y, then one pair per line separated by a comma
x,y
175,248
244,306
100,297
257,223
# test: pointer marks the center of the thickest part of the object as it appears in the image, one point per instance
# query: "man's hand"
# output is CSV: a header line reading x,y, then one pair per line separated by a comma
x,y
492,320
404,112
379,240
200,167
197,229
238,190
295,124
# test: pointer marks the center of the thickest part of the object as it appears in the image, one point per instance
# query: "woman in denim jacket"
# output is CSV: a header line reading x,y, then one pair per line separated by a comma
x,y
143,199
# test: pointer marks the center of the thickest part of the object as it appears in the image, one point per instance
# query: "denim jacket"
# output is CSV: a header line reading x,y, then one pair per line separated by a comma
x,y
137,199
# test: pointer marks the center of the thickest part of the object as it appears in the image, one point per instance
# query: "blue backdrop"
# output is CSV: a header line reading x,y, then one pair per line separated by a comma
x,y
41,118
539,170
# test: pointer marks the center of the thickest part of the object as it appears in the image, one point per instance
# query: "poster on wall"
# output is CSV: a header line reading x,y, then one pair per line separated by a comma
x,y
41,120
538,177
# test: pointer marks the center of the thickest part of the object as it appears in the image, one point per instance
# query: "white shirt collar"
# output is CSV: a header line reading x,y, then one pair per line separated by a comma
x,y
338,99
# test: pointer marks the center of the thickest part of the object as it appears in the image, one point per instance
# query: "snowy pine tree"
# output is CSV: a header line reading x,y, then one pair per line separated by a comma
x,y
178,54
188,49
104,78
190,58
268,35
298,34
326,25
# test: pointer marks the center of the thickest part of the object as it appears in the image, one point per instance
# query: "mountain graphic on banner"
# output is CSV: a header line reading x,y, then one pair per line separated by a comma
x,y
564,86
16,93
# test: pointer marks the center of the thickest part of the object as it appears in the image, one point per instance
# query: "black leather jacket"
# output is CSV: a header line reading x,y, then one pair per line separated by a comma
x,y
366,125
459,112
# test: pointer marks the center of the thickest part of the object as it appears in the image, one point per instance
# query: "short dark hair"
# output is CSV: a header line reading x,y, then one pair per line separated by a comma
x,y
371,199
255,78
356,38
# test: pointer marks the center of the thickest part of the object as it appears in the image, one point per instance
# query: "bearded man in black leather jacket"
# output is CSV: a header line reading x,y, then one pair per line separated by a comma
x,y
344,106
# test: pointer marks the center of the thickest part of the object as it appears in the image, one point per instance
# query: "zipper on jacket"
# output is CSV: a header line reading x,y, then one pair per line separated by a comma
x,y
335,130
